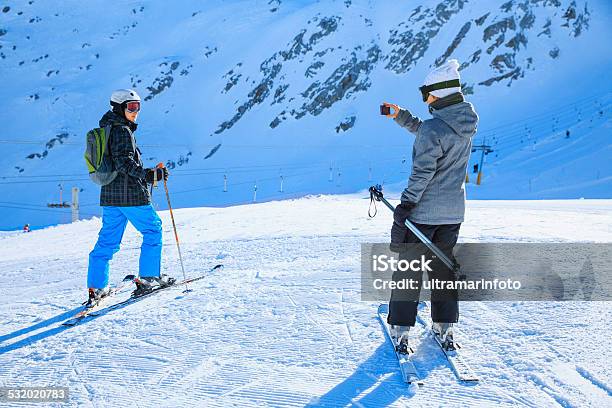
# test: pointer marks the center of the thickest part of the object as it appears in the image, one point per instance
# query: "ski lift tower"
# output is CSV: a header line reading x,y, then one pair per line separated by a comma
x,y
75,204
485,150
61,203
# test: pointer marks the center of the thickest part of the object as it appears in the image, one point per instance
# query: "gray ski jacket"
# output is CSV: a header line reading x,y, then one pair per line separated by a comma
x,y
439,160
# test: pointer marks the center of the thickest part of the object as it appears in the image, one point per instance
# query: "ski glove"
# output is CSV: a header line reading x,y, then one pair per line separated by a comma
x,y
398,237
158,174
402,211
399,229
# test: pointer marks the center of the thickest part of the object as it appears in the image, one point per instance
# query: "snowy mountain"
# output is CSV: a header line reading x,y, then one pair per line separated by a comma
x,y
280,98
284,325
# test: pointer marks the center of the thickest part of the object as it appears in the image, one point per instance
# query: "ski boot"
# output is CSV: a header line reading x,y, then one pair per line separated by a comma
x,y
444,331
165,280
95,295
148,284
399,334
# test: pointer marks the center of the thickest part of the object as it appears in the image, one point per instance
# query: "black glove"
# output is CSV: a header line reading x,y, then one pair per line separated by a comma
x,y
399,229
402,211
398,236
158,173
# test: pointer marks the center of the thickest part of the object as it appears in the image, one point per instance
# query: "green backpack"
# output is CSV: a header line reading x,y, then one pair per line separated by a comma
x,y
97,156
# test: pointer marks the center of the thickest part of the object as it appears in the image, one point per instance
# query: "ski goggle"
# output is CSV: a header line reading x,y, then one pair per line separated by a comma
x,y
426,89
132,106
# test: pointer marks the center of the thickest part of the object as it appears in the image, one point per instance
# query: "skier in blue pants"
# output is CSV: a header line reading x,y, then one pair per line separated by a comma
x,y
127,198
114,220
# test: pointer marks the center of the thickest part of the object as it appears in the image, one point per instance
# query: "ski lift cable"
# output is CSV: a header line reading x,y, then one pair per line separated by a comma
x,y
520,127
522,139
197,171
590,100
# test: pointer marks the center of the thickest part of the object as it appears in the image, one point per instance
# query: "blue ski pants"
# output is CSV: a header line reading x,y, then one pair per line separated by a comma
x,y
114,220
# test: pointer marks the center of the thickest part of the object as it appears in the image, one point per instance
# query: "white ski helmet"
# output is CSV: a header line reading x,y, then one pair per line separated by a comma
x,y
121,97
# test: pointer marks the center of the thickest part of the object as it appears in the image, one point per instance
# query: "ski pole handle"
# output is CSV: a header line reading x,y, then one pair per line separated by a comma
x,y
159,166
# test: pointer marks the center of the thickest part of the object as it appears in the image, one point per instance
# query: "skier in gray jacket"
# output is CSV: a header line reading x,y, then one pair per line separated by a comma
x,y
435,197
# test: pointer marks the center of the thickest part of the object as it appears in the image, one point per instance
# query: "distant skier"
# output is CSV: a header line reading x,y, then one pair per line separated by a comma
x,y
26,228
435,197
125,199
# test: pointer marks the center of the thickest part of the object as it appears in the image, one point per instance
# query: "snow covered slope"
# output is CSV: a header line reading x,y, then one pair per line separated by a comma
x,y
256,90
283,324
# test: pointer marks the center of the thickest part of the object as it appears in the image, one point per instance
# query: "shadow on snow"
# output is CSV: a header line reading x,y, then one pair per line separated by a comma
x,y
52,331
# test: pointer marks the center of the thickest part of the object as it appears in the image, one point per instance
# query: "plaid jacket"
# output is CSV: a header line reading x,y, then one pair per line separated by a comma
x,y
129,188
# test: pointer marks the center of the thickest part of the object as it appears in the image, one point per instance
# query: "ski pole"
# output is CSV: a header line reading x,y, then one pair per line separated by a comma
x,y
178,246
376,194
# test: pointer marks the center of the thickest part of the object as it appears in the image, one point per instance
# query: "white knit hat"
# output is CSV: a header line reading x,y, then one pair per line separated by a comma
x,y
446,72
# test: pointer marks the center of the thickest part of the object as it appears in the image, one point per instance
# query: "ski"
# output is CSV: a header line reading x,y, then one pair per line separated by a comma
x,y
135,298
409,371
458,363
98,304
99,310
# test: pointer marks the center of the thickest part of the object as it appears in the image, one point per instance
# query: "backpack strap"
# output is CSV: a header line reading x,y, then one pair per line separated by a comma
x,y
107,132
131,137
109,128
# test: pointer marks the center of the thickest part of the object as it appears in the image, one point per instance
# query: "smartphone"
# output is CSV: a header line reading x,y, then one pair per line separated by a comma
x,y
385,110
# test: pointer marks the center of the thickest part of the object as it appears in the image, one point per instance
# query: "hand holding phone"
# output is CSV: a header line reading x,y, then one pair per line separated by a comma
x,y
385,109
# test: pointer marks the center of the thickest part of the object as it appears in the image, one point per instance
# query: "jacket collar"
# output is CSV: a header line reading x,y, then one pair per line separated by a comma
x,y
124,122
447,101
113,118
